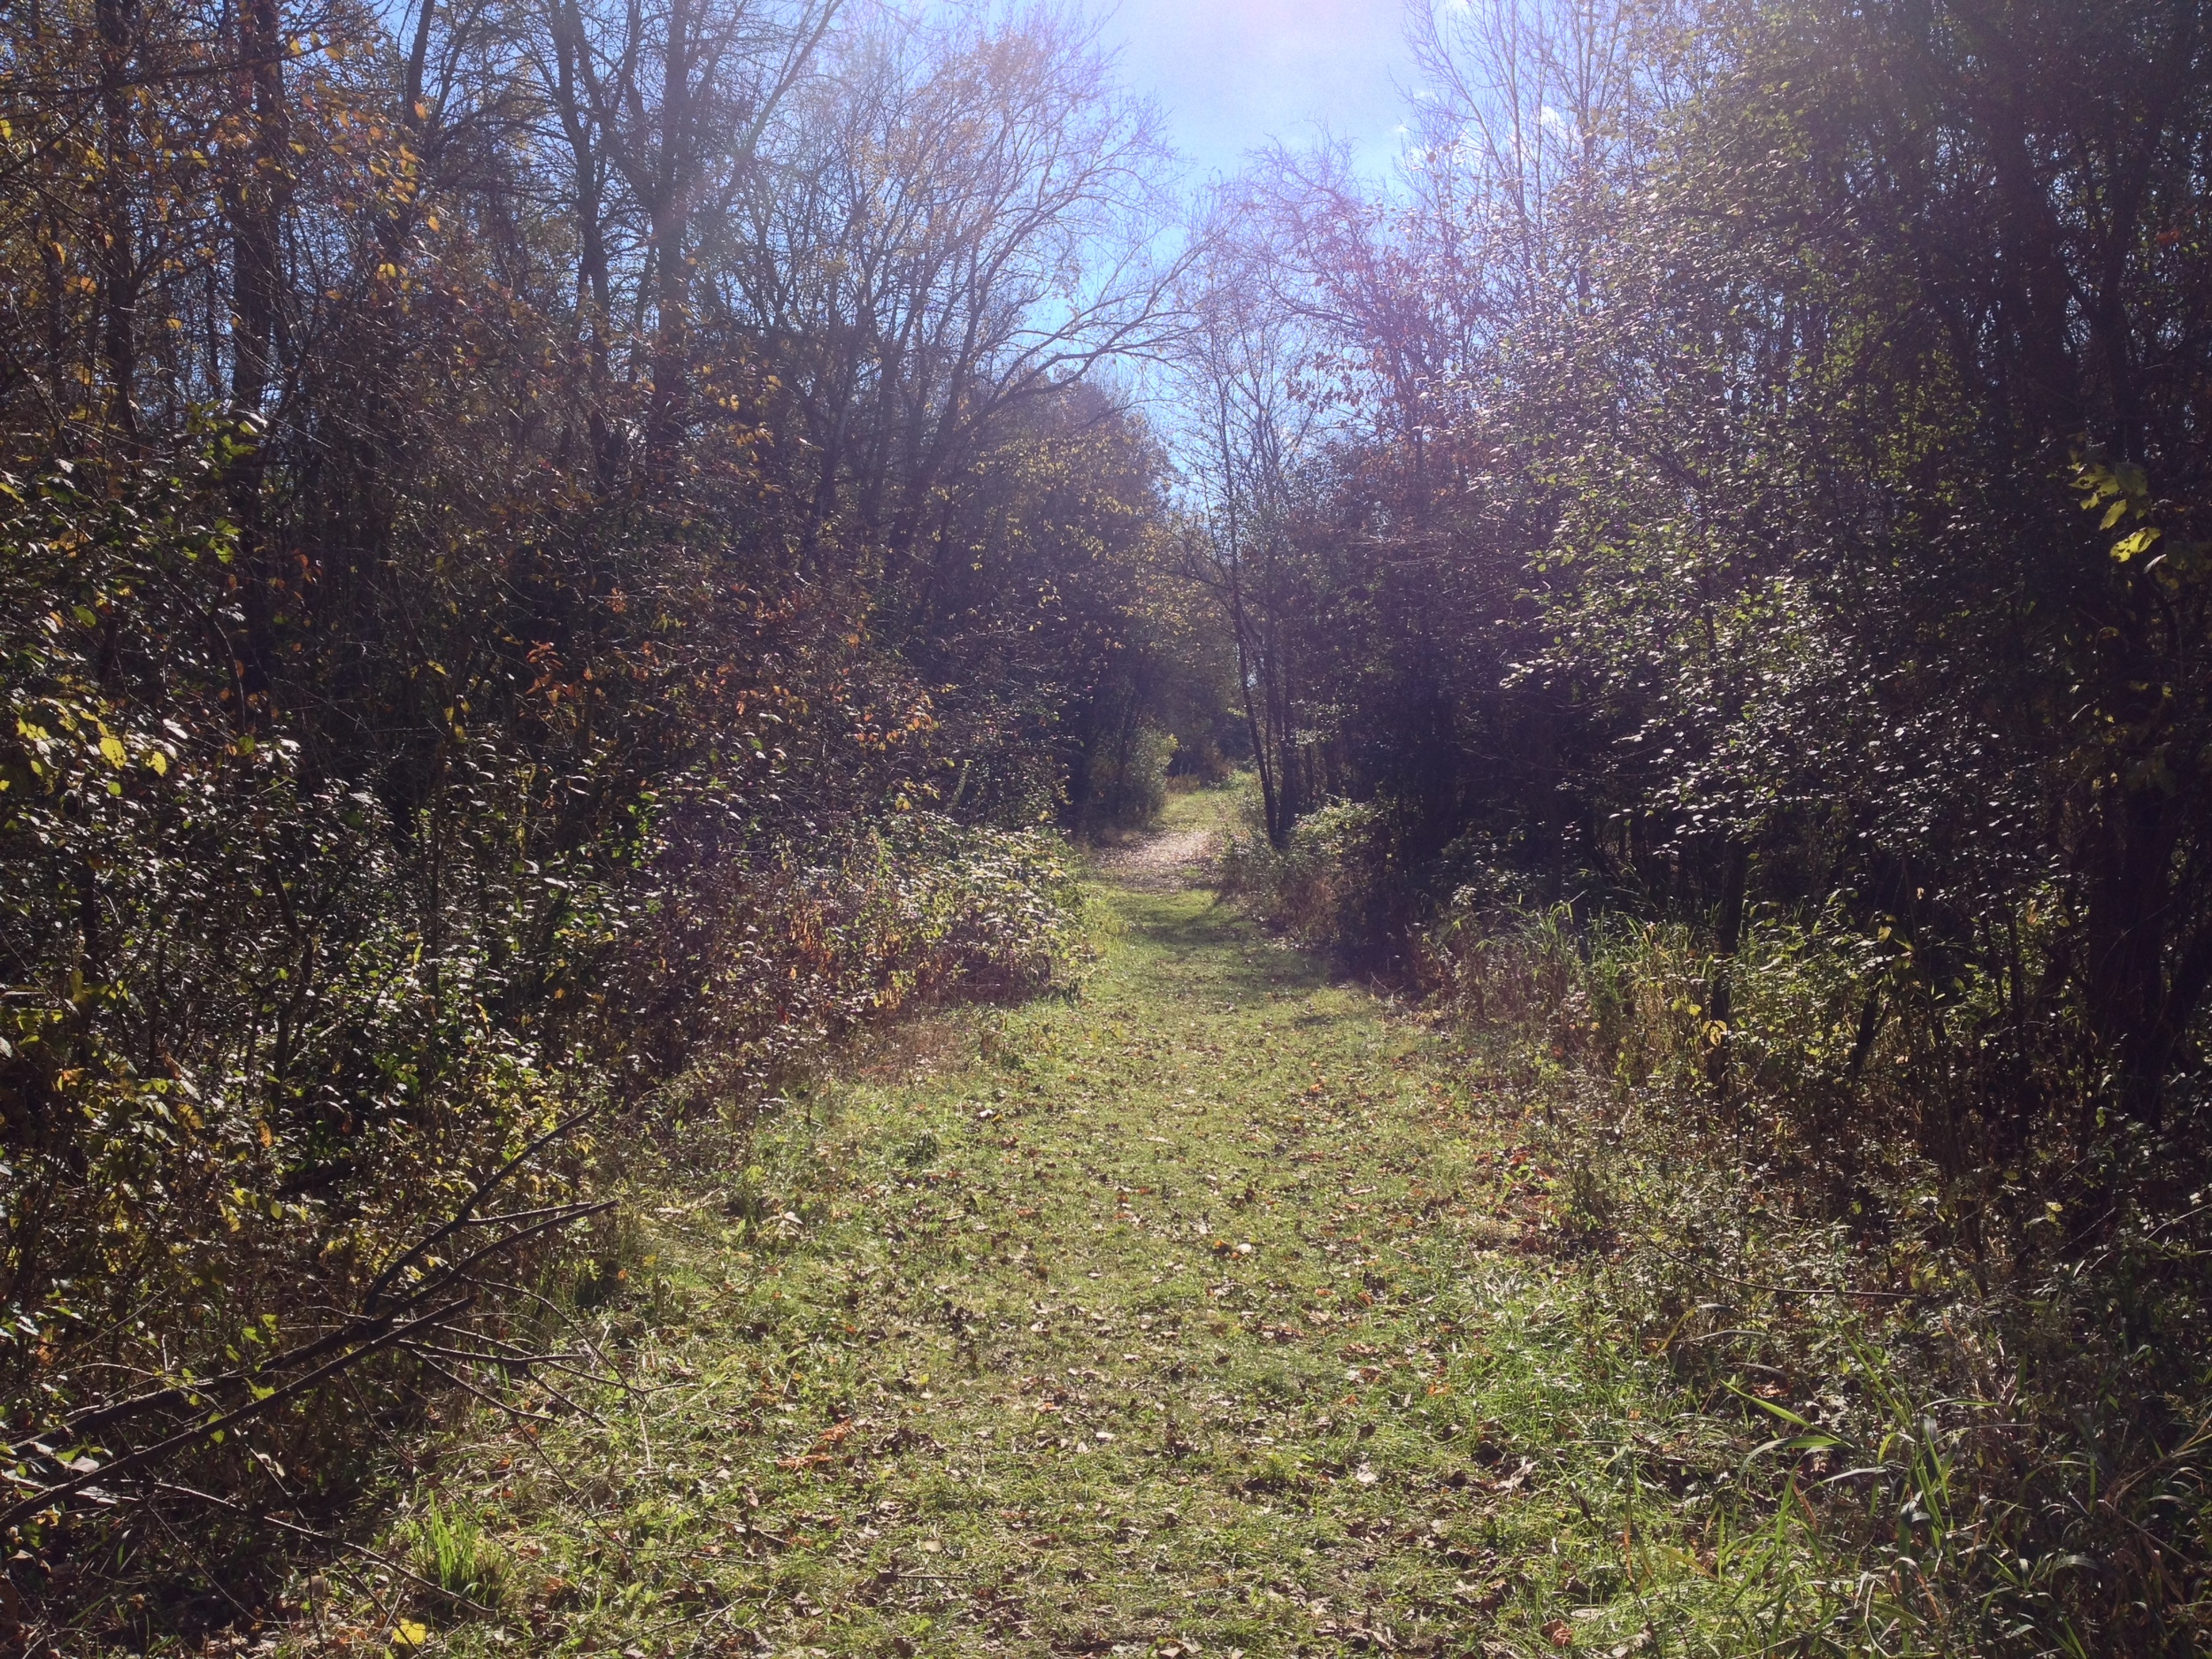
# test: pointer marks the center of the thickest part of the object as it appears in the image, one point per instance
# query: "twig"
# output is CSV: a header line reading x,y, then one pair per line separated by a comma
x,y
83,1424
328,1542
476,1356
1790,1290
564,1317
468,1388
24,1508
460,1218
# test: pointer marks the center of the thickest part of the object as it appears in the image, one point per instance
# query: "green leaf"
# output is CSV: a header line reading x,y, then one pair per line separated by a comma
x,y
1767,1405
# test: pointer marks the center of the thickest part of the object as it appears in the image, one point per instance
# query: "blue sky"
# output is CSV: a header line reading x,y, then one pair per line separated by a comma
x,y
1230,74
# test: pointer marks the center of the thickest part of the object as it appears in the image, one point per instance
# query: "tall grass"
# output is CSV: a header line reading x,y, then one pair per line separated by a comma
x,y
1988,1440
1969,1419
453,1553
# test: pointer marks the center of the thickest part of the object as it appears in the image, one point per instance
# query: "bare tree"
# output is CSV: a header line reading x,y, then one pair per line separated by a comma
x,y
1248,435
958,218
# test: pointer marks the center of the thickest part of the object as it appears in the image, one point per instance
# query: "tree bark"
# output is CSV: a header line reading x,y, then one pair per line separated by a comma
x,y
115,22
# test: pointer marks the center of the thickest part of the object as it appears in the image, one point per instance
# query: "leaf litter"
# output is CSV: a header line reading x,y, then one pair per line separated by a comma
x,y
1038,1347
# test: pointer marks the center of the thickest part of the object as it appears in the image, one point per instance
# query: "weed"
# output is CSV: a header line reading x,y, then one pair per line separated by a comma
x,y
452,1553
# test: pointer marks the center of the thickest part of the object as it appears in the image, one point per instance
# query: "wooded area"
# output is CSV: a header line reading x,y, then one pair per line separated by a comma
x,y
559,558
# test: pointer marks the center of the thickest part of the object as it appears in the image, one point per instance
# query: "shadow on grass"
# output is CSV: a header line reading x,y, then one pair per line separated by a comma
x,y
1238,955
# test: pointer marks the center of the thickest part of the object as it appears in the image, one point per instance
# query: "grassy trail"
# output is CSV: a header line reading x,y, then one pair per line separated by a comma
x,y
1196,1313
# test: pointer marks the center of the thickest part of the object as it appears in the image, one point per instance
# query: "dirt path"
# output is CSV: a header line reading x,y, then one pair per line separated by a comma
x,y
1161,862
1175,1318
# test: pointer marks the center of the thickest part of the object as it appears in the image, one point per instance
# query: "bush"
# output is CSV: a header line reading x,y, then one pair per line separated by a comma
x,y
1972,1422
247,1051
789,955
1128,783
1978,1425
286,976
1346,884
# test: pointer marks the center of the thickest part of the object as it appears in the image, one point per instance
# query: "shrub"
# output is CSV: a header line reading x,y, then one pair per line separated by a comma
x,y
1346,884
1132,784
283,983
1982,1431
787,956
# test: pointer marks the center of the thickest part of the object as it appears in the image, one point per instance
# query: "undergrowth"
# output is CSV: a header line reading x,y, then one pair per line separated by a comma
x,y
191,1247
1214,1310
1967,1377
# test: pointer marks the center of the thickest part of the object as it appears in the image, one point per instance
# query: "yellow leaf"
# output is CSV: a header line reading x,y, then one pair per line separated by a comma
x,y
113,748
410,1632
2129,545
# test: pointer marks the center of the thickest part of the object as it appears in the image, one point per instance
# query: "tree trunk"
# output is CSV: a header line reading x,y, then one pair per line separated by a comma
x,y
114,22
1728,938
2130,902
664,418
257,207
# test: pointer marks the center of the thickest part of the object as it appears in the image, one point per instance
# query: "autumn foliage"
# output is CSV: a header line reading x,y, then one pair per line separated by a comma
x,y
498,643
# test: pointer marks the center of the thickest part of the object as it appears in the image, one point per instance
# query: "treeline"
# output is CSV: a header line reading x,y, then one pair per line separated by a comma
x,y
1759,468
553,557
1747,486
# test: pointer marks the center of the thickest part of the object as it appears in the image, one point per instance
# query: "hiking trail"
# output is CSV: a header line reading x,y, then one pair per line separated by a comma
x,y
1194,1314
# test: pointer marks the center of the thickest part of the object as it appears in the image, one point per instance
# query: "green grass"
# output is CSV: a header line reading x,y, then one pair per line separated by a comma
x,y
1205,1311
